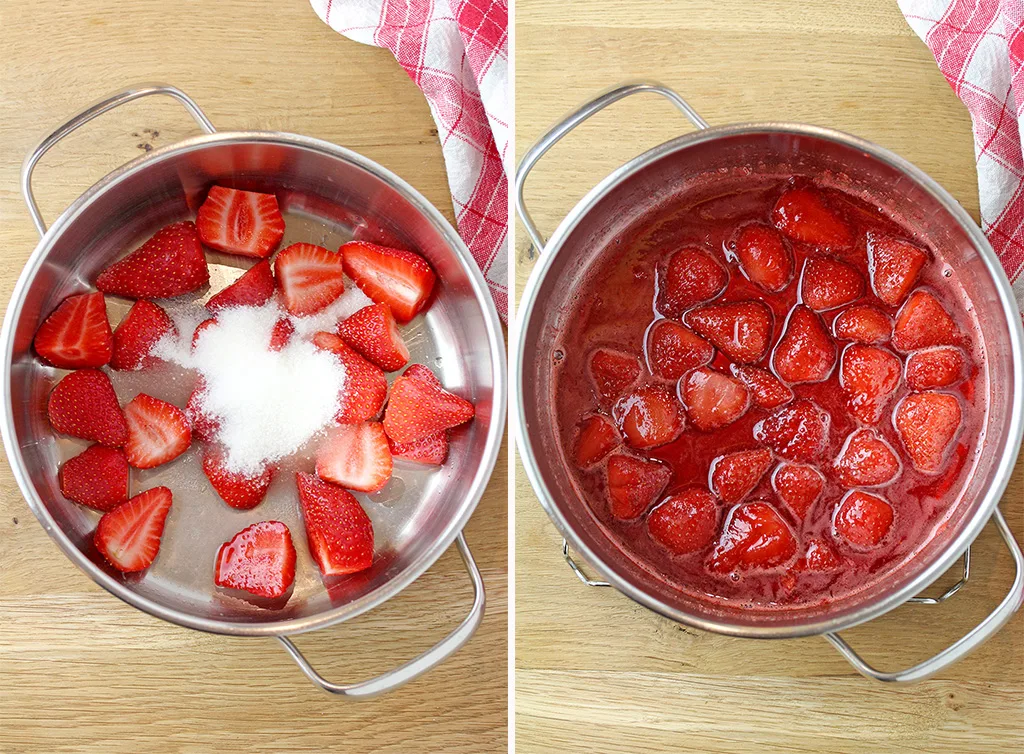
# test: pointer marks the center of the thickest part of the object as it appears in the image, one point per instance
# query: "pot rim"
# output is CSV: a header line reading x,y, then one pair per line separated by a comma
x,y
1000,476
337,614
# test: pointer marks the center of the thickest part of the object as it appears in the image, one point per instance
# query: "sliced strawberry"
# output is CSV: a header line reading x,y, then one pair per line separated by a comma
x,y
863,324
672,349
169,264
310,277
766,390
144,325
157,432
801,215
712,399
366,387
200,329
866,460
596,437
755,536
691,276
281,334
805,352
129,535
340,533
818,556
417,409
83,404
798,486
735,475
420,372
96,477
373,333
612,373
204,426
355,456
77,333
741,330
941,366
432,450
922,323
649,417
764,256
893,266
927,424
253,288
259,559
240,222
862,519
685,522
240,491
868,375
828,284
634,483
401,279
797,432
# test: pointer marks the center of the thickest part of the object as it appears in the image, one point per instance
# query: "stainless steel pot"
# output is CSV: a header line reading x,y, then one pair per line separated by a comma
x,y
640,186
328,195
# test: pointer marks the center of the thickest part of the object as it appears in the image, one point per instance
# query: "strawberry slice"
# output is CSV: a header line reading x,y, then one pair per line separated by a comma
x,y
281,334
735,475
923,322
798,486
805,352
253,288
866,460
797,432
400,279
144,325
204,426
893,266
927,424
356,456
596,437
129,535
340,533
712,399
200,329
741,330
431,450
801,215
766,390
685,522
418,409
83,404
420,372
755,536
240,222
818,556
76,334
372,332
633,484
366,387
863,324
868,375
941,366
612,373
673,350
310,277
649,417
764,256
96,477
157,432
239,491
691,276
169,264
862,519
828,284
259,559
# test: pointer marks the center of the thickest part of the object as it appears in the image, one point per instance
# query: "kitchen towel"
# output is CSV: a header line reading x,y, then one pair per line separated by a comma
x,y
457,53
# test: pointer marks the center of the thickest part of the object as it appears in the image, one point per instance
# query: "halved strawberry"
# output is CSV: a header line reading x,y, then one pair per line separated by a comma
x,y
129,535
672,349
863,324
612,373
862,519
941,366
893,266
366,387
417,409
649,417
240,222
712,399
76,334
421,372
139,331
157,432
685,522
596,437
373,333
204,426
281,334
432,450
340,533
237,490
828,284
797,432
259,559
868,375
818,556
735,475
96,477
253,288
741,330
355,456
84,404
200,329
171,263
755,536
401,279
764,256
765,388
801,215
691,276
927,424
866,460
805,352
798,486
634,483
310,277
923,322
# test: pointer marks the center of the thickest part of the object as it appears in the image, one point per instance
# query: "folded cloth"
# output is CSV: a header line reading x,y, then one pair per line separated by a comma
x,y
457,53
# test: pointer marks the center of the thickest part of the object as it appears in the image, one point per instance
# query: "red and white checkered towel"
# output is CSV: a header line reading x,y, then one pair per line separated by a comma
x,y
457,53
979,46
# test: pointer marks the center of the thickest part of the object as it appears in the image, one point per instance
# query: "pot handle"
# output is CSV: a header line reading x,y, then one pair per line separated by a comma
x,y
441,651
84,116
575,118
970,641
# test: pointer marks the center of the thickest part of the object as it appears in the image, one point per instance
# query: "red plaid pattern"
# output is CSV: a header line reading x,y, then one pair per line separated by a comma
x,y
457,53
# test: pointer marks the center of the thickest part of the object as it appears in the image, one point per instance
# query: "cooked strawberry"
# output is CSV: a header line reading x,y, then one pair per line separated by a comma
x,y
862,519
144,325
373,333
339,532
310,277
755,536
893,266
281,334
863,324
828,284
83,404
242,491
596,437
764,256
797,432
634,483
765,388
169,264
685,522
366,387
401,279
866,460
157,432
259,559
96,477
941,366
240,222
253,288
672,349
200,329
922,323
735,475
741,330
204,426
798,486
649,417
713,399
927,424
432,450
355,456
691,276
818,556
76,334
612,372
129,535
868,375
805,352
801,215
417,409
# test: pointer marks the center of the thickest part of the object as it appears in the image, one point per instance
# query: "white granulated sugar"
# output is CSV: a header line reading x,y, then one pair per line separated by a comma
x,y
351,301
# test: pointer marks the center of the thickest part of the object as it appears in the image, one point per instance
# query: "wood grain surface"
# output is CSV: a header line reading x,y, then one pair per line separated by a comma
x,y
79,670
596,672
